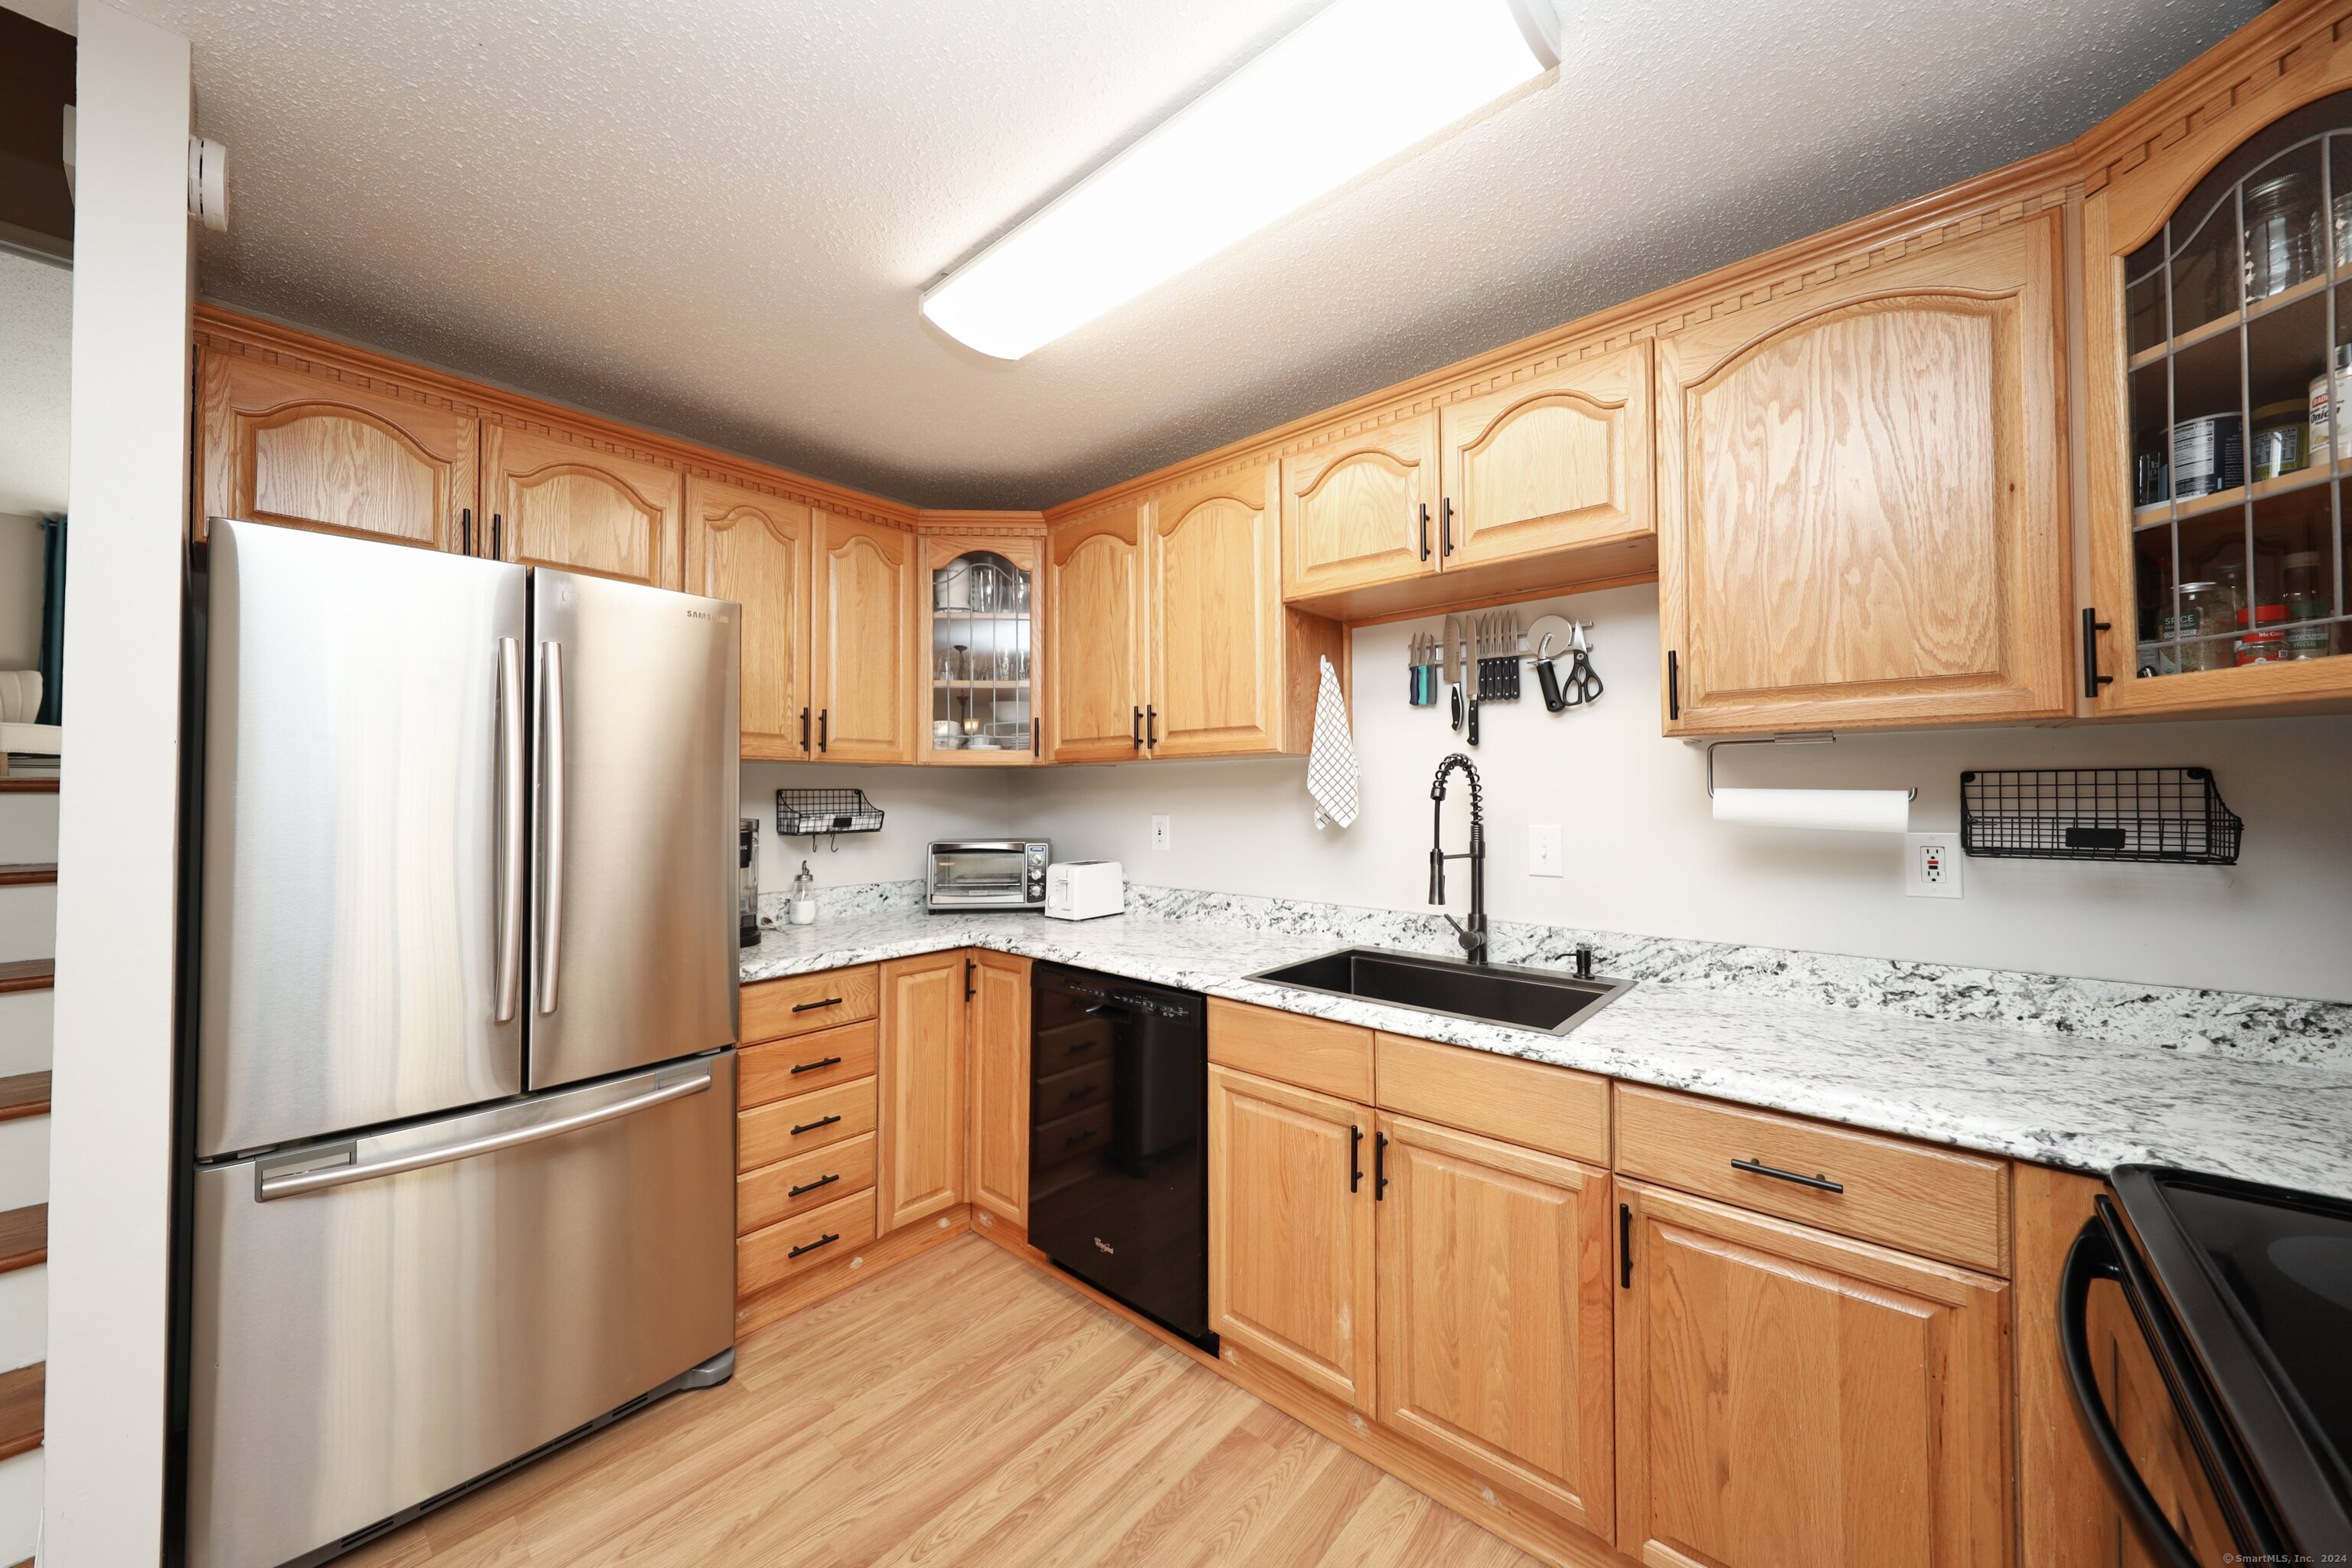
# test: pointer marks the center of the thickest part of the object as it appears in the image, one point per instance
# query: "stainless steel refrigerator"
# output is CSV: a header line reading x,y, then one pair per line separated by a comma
x,y
462,1170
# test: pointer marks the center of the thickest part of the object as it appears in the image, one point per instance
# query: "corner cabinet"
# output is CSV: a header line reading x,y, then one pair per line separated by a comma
x,y
2218,303
980,650
1861,498
580,507
753,548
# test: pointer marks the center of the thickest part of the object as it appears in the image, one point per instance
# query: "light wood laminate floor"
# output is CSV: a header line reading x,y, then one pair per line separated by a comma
x,y
962,1409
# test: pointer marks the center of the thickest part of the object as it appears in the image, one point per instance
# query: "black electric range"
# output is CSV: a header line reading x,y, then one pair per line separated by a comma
x,y
2244,1295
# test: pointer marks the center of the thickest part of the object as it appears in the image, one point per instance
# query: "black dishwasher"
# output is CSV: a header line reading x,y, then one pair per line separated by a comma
x,y
1118,1133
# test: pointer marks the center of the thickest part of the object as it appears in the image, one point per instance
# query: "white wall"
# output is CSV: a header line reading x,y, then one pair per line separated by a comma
x,y
918,805
1644,856
110,1150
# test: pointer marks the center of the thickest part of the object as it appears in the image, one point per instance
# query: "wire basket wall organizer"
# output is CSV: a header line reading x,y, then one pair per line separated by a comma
x,y
2173,816
813,812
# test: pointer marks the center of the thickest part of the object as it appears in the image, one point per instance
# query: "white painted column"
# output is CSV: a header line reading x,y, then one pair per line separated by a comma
x,y
111,1146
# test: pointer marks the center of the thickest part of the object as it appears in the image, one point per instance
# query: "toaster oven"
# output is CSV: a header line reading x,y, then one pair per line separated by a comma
x,y
986,874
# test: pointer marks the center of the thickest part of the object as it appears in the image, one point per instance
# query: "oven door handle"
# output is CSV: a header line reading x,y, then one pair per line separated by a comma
x,y
2090,1259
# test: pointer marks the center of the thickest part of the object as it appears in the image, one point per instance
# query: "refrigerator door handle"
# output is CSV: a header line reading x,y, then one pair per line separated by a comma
x,y
309,1177
551,809
512,745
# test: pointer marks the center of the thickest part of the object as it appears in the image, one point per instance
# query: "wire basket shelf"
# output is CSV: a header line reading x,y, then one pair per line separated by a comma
x,y
811,812
2170,815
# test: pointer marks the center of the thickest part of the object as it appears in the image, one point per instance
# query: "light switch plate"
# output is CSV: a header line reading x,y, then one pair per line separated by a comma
x,y
1931,865
1543,849
1160,833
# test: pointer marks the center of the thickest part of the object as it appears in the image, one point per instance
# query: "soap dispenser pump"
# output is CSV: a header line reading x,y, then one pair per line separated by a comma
x,y
803,904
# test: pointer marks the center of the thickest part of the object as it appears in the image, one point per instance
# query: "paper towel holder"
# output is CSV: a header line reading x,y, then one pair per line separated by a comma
x,y
1823,738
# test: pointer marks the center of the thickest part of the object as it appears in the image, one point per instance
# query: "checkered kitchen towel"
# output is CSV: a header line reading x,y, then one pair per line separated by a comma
x,y
1331,772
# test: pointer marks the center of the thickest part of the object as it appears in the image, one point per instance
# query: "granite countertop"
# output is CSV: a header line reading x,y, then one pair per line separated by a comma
x,y
2051,1094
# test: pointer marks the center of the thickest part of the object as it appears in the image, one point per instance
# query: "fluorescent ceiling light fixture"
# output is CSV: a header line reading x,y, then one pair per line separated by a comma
x,y
1359,83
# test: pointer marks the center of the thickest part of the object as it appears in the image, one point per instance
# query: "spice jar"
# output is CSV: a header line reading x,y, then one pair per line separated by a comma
x,y
2282,233
2205,610
2309,635
2266,643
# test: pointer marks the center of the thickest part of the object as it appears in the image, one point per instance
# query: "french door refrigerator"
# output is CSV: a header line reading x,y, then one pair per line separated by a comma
x,y
461,1173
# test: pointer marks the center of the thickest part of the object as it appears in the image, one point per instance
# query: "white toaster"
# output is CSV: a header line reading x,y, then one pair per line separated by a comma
x,y
1081,889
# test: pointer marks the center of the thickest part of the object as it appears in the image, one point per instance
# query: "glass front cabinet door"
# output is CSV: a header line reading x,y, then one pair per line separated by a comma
x,y
2218,301
984,680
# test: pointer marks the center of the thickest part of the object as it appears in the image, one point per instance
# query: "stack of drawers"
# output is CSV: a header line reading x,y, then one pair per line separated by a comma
x,y
1069,1102
804,1125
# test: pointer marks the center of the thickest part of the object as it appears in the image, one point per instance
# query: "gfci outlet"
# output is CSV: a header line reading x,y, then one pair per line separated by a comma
x,y
1160,839
1931,868
1543,849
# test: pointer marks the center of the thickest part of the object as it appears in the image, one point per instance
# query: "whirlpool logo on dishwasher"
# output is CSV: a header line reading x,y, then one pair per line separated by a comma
x,y
1105,1245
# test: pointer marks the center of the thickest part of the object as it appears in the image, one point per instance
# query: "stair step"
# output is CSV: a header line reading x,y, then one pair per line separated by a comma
x,y
28,786
22,1394
26,1094
24,1237
27,874
28,973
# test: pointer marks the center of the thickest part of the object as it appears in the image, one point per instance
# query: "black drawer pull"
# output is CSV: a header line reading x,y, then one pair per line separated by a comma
x,y
827,1239
1818,1183
1076,1137
813,1006
1082,1093
813,1126
811,1187
811,1067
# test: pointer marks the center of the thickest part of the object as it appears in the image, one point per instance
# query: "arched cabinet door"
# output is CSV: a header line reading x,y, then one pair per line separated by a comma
x,y
862,629
1360,511
1860,503
280,444
1555,462
753,548
555,502
1093,632
1217,620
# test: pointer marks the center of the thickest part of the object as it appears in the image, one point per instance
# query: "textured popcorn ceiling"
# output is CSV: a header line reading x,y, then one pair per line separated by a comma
x,y
714,216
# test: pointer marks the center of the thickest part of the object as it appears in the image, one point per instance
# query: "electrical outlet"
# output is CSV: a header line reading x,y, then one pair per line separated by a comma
x,y
1543,849
1160,833
1931,868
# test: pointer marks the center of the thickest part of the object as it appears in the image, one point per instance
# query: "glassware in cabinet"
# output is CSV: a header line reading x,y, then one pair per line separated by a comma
x,y
982,655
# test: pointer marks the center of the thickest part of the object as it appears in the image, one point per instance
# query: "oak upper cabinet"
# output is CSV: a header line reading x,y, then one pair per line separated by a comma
x,y
283,444
919,1081
1496,1289
1558,461
1290,1231
998,1018
980,649
753,548
861,627
1786,1395
1212,558
1094,634
1361,510
572,505
1861,517
2218,451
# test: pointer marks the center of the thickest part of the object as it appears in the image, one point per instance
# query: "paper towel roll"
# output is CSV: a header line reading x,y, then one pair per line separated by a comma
x,y
1848,810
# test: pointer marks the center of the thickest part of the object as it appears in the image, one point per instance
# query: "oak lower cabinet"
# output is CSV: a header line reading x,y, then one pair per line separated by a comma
x,y
997,1016
753,548
1496,1293
1861,497
578,505
1785,1395
919,1147
281,443
1290,1231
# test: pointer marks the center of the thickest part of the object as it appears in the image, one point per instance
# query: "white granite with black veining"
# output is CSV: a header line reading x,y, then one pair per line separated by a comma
x,y
2083,1074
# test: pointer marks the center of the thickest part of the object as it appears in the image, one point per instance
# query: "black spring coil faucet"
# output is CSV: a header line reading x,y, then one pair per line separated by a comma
x,y
1473,936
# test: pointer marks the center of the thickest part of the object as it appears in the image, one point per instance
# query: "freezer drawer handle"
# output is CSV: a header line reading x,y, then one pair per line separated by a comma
x,y
511,746
827,1239
800,1067
267,1187
1818,1183
813,1126
811,1187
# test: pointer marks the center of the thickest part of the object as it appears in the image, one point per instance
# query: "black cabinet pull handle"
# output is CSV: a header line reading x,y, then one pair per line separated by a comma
x,y
2092,627
1135,729
813,1126
811,1067
824,722
1624,1247
1449,525
465,530
1037,733
1424,531
1818,1183
827,1239
1076,1137
811,1187
1355,1159
1673,685
1080,1093
812,1006
497,545
1380,1167
968,966
804,728
1150,726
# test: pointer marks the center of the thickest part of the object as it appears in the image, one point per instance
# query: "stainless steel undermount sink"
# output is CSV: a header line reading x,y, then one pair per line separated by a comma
x,y
1538,999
